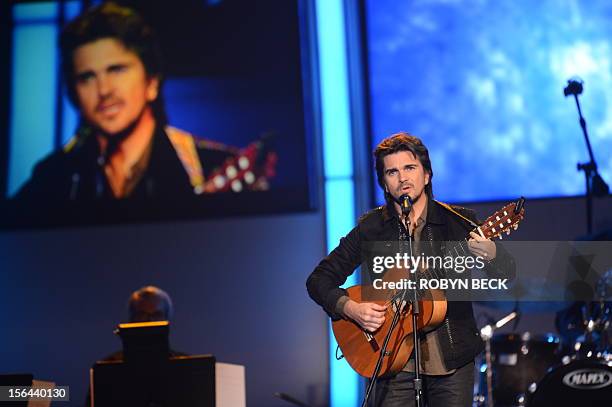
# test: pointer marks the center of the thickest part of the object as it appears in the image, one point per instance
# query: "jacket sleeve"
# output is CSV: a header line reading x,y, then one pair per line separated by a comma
x,y
34,188
324,282
503,265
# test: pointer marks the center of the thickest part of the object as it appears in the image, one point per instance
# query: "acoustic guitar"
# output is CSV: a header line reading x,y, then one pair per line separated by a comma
x,y
361,349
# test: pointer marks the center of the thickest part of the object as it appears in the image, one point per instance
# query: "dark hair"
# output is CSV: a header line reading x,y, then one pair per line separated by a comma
x,y
150,298
402,142
110,20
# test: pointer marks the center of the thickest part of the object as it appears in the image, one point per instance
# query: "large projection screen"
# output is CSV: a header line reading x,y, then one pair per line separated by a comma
x,y
233,73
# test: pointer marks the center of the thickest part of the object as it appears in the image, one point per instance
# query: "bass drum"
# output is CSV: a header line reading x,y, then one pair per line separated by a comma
x,y
518,361
585,382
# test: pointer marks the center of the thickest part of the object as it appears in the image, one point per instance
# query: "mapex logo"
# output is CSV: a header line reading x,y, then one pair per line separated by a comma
x,y
588,379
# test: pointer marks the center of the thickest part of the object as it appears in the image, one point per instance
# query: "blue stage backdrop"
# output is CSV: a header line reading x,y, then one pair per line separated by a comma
x,y
481,82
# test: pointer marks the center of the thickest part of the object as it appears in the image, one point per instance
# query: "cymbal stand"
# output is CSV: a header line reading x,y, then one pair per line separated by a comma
x,y
486,333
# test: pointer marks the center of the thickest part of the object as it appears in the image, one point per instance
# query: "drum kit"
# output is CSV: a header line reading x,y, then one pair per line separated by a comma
x,y
572,369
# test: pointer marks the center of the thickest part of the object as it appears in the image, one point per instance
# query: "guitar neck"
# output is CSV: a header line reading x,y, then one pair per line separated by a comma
x,y
503,221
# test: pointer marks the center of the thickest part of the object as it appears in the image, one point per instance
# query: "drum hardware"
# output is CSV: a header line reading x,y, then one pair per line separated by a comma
x,y
585,326
517,363
486,333
533,371
586,382
584,376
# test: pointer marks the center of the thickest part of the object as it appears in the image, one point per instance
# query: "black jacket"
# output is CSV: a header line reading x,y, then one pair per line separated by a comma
x,y
459,337
77,174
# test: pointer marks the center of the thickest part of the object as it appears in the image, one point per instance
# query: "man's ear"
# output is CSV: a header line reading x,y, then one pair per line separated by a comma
x,y
153,88
427,177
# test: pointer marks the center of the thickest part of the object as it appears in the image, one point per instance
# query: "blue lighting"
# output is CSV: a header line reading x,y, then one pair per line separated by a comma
x,y
72,9
482,84
70,119
338,166
337,154
70,115
33,90
33,93
339,212
339,196
35,12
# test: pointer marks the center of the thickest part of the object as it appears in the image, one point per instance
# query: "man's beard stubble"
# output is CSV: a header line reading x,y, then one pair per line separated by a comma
x,y
113,140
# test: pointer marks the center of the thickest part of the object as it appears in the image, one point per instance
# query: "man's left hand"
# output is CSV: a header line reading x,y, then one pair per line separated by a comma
x,y
482,247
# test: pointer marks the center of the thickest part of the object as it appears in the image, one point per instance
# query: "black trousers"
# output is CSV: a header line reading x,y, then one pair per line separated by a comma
x,y
454,390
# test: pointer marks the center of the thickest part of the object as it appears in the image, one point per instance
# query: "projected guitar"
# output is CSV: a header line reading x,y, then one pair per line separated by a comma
x,y
362,349
248,169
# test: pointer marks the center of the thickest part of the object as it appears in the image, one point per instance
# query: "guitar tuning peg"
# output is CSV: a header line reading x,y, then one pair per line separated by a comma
x,y
508,232
501,236
515,226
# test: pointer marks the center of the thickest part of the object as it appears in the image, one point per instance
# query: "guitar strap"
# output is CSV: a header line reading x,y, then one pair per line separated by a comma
x,y
449,208
187,152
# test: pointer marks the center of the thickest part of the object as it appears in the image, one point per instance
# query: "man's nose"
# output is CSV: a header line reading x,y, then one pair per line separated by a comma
x,y
105,86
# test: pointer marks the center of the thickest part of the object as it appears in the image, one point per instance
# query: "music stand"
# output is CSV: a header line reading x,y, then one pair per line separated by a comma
x,y
14,380
148,377
178,381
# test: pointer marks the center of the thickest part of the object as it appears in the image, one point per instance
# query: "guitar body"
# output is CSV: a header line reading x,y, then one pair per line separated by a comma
x,y
362,354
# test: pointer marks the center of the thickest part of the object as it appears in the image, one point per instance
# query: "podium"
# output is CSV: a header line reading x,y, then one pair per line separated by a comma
x,y
194,381
230,389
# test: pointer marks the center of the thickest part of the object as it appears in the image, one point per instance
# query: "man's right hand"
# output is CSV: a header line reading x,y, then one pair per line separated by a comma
x,y
368,315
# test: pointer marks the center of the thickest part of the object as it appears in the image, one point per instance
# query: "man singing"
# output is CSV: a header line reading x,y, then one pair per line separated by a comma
x,y
447,353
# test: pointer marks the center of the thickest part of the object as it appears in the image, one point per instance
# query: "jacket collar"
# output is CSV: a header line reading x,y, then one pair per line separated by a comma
x,y
434,213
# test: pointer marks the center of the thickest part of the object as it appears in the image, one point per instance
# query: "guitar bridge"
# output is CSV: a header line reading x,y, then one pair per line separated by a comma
x,y
372,341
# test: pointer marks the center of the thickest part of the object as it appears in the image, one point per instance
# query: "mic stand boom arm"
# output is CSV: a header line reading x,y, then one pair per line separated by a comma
x,y
595,185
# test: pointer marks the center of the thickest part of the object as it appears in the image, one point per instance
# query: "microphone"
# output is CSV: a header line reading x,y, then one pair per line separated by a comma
x,y
406,203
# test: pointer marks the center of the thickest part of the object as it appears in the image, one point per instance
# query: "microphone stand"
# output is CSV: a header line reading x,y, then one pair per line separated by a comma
x,y
290,399
595,185
418,382
383,349
406,208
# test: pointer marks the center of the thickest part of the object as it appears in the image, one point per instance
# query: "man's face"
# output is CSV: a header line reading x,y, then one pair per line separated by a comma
x,y
404,174
148,311
112,86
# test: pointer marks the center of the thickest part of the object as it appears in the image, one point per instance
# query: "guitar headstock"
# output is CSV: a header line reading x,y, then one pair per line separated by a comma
x,y
505,220
249,169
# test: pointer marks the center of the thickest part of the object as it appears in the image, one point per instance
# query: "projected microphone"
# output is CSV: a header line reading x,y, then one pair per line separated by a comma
x,y
406,204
